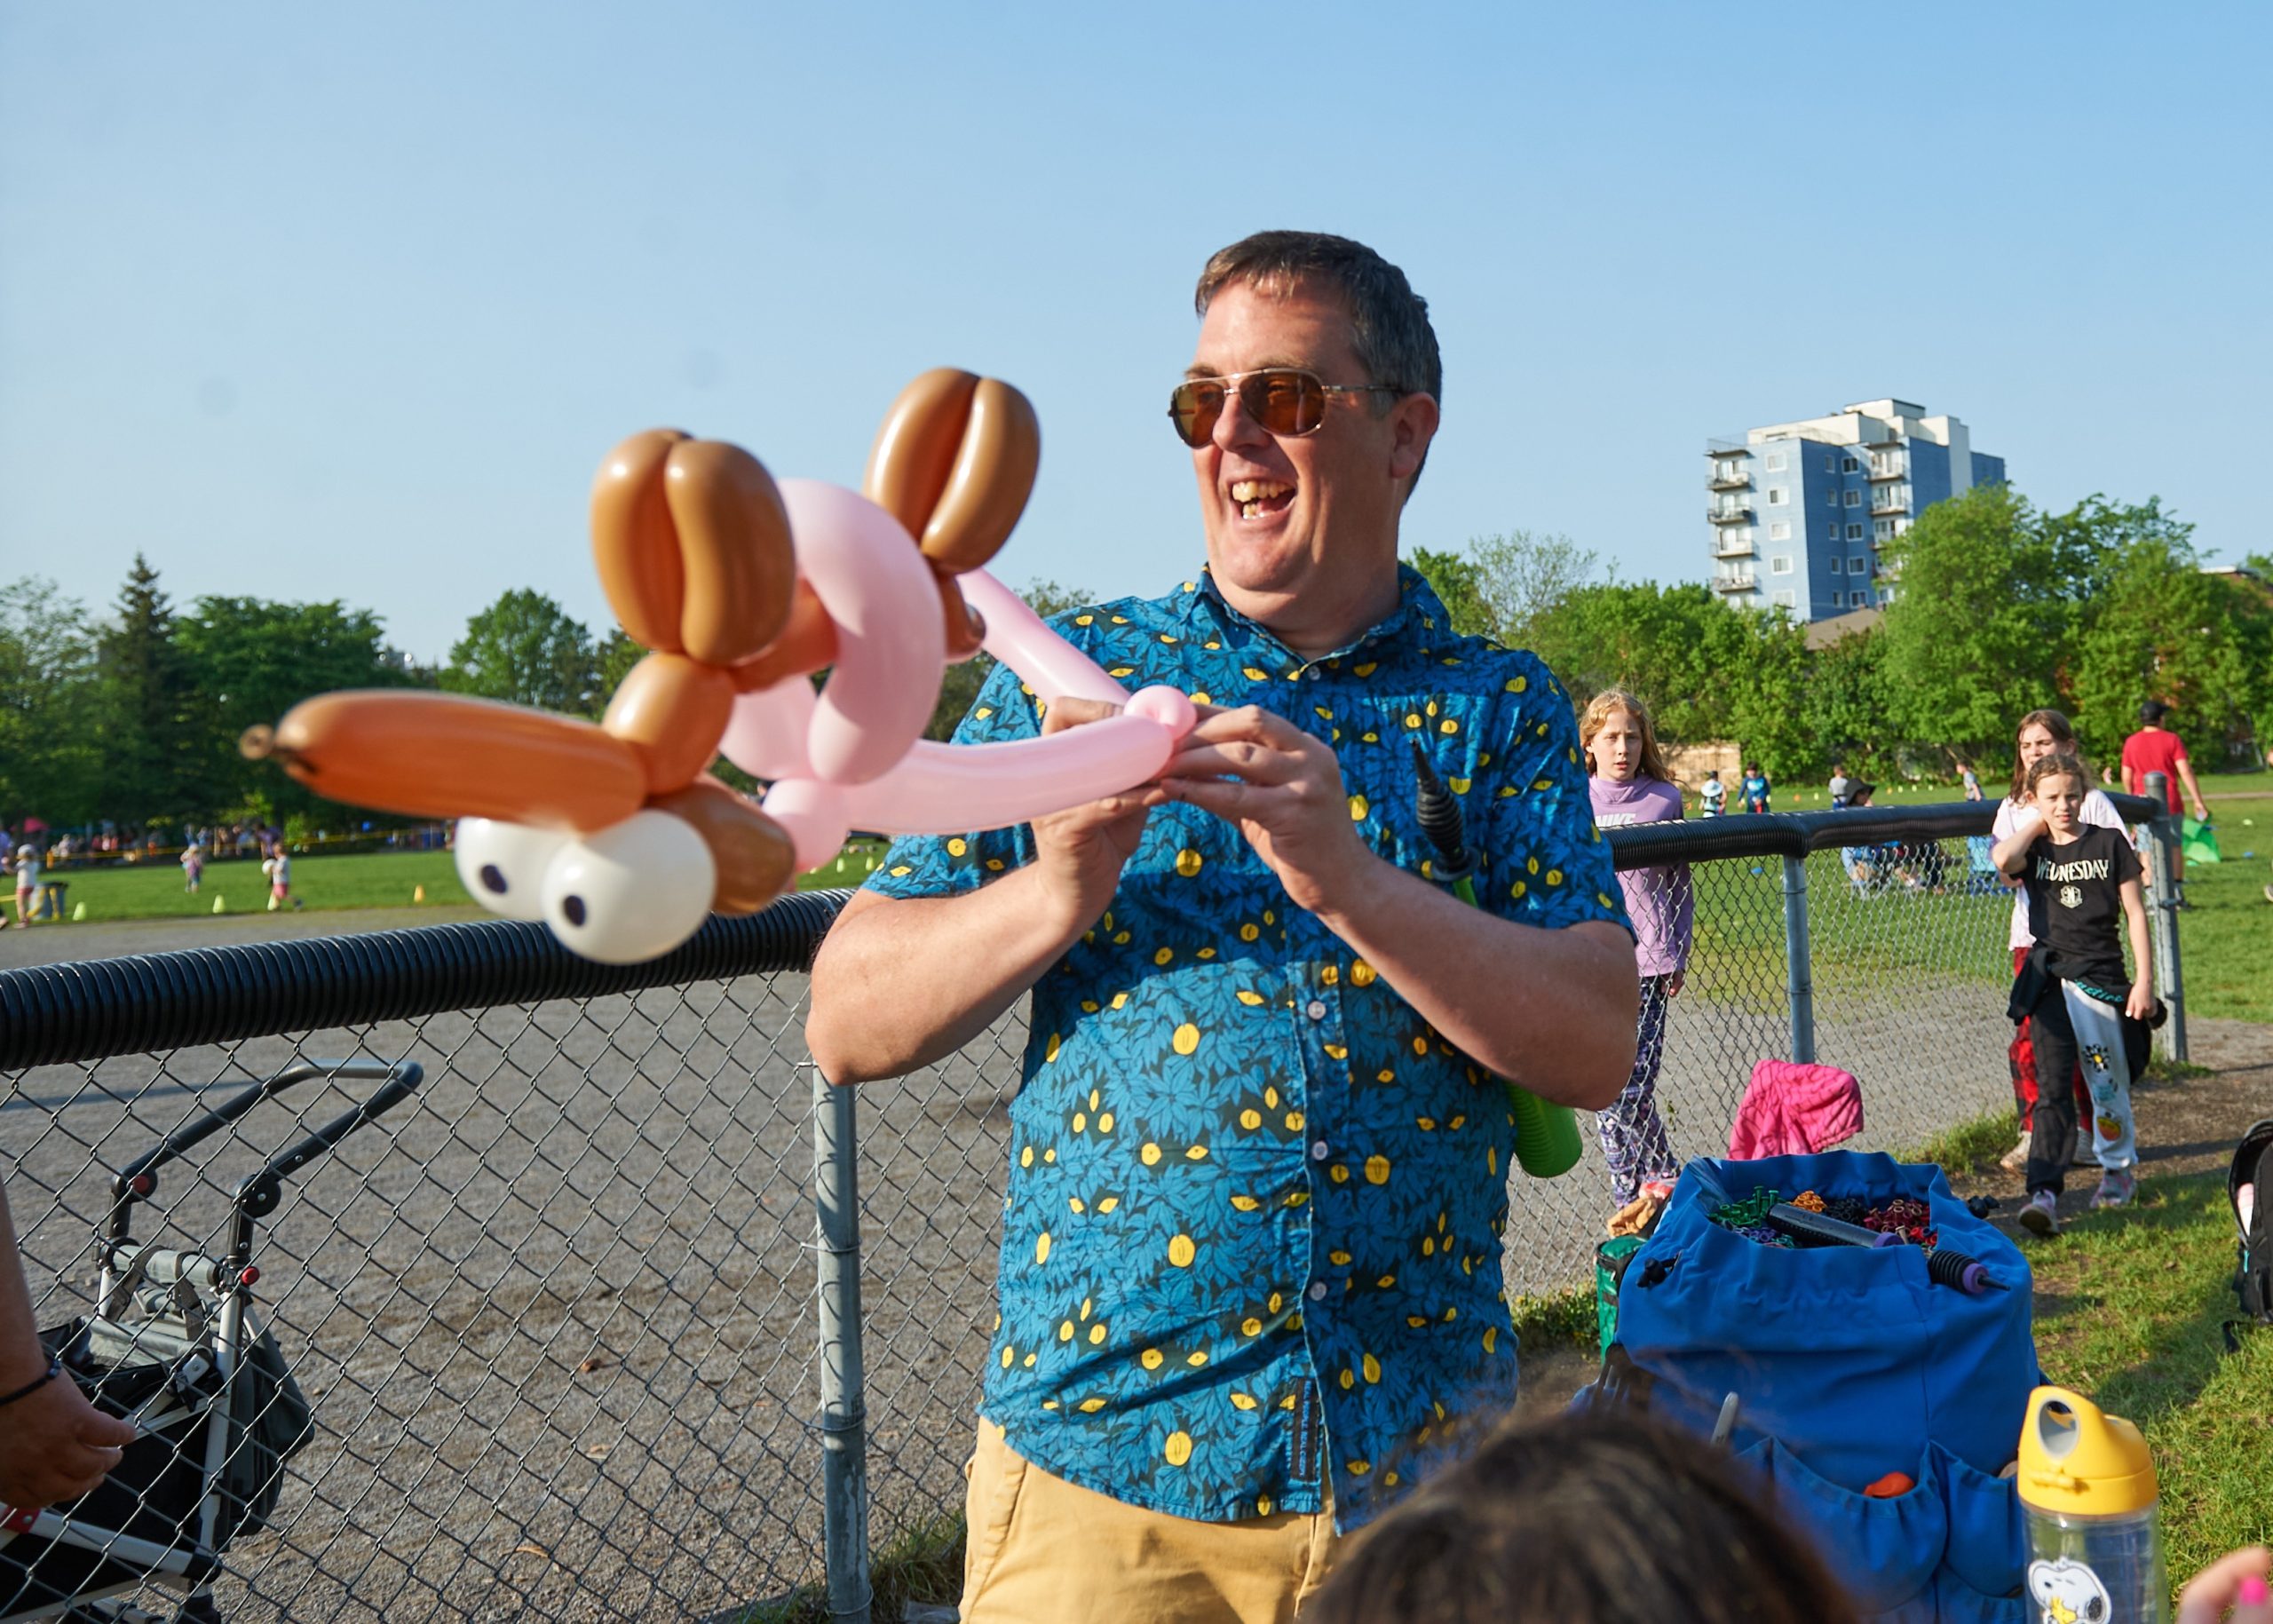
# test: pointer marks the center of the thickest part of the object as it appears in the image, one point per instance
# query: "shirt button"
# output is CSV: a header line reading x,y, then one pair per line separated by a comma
x,y
1314,673
1318,1291
1316,1010
1317,1150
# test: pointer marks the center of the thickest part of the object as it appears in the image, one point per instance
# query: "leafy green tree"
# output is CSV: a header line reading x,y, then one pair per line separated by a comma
x,y
614,661
154,733
1460,583
1843,706
528,650
253,659
1523,576
1981,615
50,755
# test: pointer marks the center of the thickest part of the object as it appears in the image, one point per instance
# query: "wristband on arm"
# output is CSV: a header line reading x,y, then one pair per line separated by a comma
x,y
54,1369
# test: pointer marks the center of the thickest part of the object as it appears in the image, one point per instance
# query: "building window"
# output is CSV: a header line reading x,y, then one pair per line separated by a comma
x,y
1780,565
1786,600
1776,495
1854,499
1836,566
1861,601
1775,462
1779,532
1848,464
1854,533
1882,528
1830,498
1855,566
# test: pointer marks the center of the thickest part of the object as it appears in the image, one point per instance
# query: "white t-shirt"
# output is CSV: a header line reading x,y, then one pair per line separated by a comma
x,y
2098,810
26,871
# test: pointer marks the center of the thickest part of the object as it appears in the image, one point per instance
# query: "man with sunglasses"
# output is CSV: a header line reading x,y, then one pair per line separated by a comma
x,y
1250,1278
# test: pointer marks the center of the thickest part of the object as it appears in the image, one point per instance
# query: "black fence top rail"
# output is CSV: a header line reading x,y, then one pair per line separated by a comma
x,y
52,1014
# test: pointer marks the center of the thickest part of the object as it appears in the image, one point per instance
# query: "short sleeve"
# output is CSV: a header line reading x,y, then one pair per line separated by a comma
x,y
2128,866
1544,863
2100,812
949,865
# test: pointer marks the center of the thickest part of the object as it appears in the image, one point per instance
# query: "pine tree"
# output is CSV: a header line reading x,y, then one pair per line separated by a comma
x,y
157,737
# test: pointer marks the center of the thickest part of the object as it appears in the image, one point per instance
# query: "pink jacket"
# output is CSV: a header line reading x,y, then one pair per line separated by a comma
x,y
1792,1108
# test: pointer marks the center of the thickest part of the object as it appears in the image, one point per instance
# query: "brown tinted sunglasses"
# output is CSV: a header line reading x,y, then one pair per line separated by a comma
x,y
1286,401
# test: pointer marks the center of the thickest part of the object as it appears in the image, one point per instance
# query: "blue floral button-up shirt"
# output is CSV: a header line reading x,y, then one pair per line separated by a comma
x,y
1251,1235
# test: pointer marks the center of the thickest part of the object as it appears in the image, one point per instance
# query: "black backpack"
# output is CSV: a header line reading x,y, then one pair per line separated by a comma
x,y
2253,1172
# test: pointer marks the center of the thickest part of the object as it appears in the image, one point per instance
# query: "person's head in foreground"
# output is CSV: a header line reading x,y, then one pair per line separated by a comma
x,y
2056,785
1600,1518
2042,733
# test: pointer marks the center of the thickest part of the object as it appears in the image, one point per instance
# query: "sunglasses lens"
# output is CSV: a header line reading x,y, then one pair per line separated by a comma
x,y
1284,402
1194,408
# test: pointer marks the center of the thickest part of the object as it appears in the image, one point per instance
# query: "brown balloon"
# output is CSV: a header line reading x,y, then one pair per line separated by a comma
x,y
753,856
806,644
733,542
449,755
966,629
635,544
914,451
673,711
993,477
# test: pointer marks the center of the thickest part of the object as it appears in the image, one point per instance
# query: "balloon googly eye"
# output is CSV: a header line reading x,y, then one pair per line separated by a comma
x,y
503,865
631,891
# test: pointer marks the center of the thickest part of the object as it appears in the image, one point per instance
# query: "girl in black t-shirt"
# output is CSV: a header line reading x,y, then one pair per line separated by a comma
x,y
2081,879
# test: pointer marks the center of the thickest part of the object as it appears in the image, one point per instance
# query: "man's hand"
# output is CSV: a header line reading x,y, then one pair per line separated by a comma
x,y
1289,800
55,1445
1078,852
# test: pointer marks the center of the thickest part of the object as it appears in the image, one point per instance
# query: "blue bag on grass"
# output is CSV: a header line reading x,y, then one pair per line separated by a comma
x,y
1850,1364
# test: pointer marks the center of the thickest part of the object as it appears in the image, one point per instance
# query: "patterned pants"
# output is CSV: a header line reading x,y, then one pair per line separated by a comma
x,y
1633,1140
2074,1028
2020,1053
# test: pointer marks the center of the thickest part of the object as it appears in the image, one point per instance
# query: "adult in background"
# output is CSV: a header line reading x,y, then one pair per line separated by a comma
x,y
1250,1268
2155,748
2042,733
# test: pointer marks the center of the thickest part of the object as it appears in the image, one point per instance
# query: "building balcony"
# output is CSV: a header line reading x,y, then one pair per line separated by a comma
x,y
1742,580
1721,482
1894,470
1889,504
1730,513
1733,546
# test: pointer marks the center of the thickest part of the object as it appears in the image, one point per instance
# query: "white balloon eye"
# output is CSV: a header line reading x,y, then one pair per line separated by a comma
x,y
634,891
504,864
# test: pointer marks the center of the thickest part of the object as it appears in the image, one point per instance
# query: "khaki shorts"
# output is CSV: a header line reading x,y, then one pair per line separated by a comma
x,y
1046,1551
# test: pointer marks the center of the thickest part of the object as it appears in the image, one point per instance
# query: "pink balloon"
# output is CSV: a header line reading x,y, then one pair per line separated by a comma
x,y
765,732
890,638
1053,668
951,789
814,814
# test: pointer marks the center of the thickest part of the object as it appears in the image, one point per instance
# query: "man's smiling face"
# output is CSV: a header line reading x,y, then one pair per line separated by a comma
x,y
1313,516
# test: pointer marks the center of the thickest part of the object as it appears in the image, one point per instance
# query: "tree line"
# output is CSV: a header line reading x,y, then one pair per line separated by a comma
x,y
2000,607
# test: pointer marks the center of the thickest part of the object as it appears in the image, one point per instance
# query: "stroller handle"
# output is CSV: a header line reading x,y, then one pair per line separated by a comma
x,y
136,1181
258,1194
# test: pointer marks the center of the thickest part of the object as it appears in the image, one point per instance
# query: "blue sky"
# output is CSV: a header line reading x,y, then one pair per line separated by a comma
x,y
310,304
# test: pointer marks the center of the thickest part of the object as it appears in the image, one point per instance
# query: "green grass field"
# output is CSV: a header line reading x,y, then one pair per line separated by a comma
x,y
377,879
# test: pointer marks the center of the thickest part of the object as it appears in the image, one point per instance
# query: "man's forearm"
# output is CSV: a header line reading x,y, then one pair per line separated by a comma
x,y
1550,1010
900,982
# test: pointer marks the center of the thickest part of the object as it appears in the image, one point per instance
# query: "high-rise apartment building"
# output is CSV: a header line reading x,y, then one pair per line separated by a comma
x,y
1798,510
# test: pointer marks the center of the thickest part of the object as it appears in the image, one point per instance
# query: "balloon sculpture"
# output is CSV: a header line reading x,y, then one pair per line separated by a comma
x,y
613,834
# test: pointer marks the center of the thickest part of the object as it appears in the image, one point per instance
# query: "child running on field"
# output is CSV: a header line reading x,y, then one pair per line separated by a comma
x,y
27,882
1754,789
2073,986
1629,784
279,871
193,865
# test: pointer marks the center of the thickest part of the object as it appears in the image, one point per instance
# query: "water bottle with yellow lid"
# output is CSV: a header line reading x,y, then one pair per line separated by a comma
x,y
2088,1484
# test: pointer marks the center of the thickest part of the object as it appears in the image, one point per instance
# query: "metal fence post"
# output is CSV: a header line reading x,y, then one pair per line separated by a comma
x,y
1799,971
843,1409
2166,868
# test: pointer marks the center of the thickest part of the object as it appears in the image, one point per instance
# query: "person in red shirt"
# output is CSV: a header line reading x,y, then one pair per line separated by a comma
x,y
2155,748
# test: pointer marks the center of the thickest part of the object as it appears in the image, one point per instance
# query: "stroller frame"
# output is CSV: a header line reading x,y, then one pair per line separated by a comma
x,y
169,1349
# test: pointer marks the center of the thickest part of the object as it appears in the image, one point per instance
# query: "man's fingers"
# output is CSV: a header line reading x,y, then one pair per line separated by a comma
x,y
97,1430
1073,712
1217,725
1254,762
1228,801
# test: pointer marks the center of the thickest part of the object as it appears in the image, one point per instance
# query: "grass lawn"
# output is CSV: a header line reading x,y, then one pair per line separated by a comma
x,y
2129,1309
374,879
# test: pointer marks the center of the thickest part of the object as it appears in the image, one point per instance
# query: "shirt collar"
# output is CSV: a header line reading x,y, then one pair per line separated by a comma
x,y
1419,614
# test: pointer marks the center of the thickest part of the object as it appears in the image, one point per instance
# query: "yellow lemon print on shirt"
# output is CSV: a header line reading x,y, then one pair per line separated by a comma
x,y
1041,1249
1049,1049
1371,1367
1250,1118
1247,932
1517,684
1150,1155
1243,1401
1065,1331
1253,1001
1358,809
1163,955
1377,1170
1186,1038
1361,974
1181,1251
1177,1450
1187,862
1150,1359
958,846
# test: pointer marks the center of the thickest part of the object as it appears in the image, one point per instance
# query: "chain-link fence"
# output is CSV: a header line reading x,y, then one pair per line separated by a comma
x,y
559,1313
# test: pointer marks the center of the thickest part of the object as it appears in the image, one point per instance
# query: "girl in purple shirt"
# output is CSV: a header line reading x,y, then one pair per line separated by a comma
x,y
1628,783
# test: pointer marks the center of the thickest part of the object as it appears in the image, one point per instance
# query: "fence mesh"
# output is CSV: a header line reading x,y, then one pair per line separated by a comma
x,y
556,1313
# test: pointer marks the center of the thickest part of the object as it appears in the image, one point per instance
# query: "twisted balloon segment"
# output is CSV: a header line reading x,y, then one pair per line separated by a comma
x,y
613,834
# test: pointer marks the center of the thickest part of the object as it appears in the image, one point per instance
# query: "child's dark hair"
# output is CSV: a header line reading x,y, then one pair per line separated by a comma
x,y
2060,764
1596,1519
